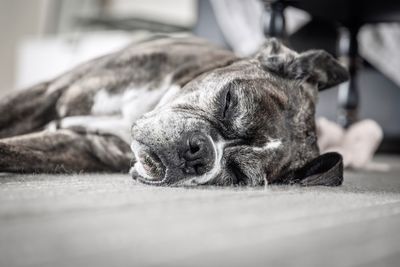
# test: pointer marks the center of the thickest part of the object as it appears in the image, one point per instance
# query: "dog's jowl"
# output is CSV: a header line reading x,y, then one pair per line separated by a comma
x,y
178,111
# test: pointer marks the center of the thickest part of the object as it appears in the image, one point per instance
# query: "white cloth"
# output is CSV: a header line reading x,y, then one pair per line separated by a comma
x,y
241,23
357,144
379,44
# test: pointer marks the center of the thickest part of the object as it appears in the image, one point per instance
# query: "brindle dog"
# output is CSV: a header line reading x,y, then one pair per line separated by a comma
x,y
193,113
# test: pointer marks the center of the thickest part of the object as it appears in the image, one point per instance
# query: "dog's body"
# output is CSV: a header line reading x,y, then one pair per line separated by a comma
x,y
200,114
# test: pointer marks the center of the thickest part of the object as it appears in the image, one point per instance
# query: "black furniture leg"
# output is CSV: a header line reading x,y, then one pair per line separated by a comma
x,y
274,20
348,98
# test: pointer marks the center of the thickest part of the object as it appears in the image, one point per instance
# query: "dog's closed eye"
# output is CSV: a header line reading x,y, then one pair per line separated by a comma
x,y
227,103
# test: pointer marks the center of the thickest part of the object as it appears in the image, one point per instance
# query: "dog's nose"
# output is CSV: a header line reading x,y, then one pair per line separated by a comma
x,y
197,153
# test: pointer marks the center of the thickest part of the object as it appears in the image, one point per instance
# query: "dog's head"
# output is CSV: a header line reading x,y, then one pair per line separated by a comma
x,y
251,123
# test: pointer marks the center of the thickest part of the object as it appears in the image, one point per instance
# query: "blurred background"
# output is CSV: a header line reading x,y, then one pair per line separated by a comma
x,y
41,39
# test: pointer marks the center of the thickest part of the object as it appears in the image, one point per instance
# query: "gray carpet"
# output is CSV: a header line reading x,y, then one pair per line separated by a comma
x,y
109,220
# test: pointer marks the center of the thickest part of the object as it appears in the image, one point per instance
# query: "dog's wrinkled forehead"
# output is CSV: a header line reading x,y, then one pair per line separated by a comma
x,y
275,70
253,93
247,75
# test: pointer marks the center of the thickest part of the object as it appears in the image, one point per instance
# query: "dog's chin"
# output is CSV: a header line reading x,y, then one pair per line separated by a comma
x,y
146,178
149,170
148,167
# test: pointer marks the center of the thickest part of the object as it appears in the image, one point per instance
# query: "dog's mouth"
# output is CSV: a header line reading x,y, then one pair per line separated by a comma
x,y
153,166
148,167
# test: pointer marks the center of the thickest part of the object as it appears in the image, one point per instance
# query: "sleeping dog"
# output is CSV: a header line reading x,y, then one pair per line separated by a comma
x,y
178,111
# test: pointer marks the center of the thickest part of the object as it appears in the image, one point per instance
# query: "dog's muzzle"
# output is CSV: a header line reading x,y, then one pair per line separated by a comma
x,y
193,155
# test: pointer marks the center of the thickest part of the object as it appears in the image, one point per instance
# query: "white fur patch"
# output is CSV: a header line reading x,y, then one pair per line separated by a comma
x,y
115,113
132,102
272,144
140,102
105,103
169,95
114,125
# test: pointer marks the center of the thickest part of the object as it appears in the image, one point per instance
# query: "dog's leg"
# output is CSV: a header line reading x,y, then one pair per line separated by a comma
x,y
64,151
101,125
27,111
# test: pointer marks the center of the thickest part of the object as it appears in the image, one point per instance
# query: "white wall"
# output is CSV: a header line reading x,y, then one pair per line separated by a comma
x,y
179,12
24,20
18,19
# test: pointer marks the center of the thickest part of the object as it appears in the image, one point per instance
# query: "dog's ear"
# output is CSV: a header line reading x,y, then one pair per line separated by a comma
x,y
320,68
314,66
326,169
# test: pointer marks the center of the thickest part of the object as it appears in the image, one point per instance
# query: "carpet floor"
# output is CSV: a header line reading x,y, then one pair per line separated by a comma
x,y
109,220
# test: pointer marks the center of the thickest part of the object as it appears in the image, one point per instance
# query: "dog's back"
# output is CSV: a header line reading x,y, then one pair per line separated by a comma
x,y
151,65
